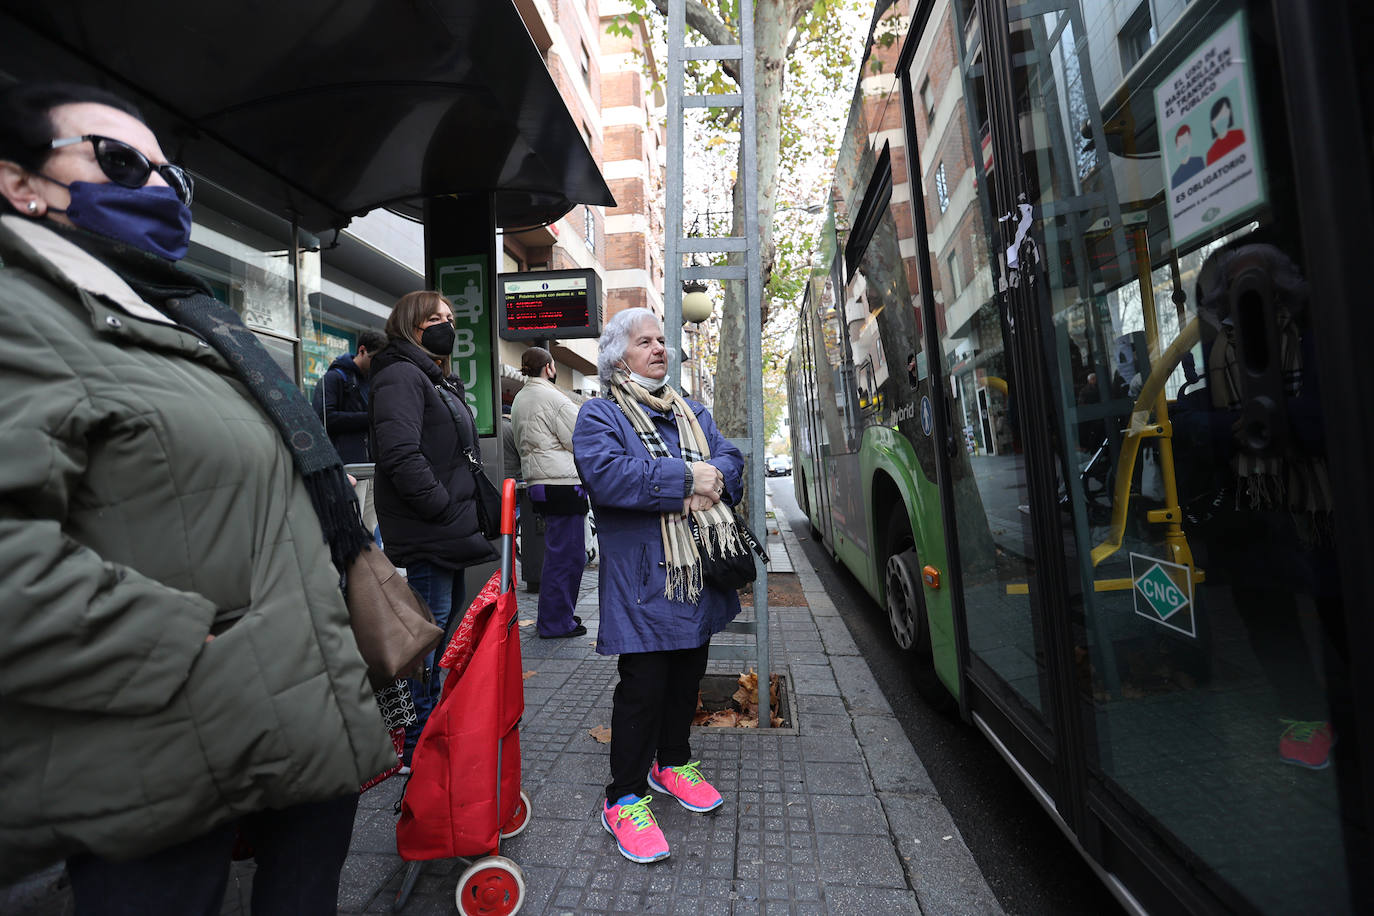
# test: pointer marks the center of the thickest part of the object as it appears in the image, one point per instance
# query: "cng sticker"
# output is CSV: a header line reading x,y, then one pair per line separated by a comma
x,y
1163,592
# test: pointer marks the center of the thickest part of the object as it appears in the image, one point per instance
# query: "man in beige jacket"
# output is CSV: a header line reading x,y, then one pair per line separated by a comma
x,y
543,416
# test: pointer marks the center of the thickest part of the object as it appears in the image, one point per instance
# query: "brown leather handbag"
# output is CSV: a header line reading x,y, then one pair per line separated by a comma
x,y
391,622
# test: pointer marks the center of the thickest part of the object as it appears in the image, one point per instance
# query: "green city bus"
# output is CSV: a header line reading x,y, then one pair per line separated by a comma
x,y
1076,396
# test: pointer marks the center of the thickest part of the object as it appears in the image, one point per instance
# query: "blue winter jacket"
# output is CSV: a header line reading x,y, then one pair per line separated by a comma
x,y
628,490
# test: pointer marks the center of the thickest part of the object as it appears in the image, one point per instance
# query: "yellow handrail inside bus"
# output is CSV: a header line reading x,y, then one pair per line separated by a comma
x,y
1151,400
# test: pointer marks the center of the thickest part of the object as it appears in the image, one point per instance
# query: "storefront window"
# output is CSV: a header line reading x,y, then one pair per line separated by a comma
x,y
251,271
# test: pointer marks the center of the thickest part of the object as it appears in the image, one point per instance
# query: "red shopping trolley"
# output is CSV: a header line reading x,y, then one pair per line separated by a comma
x,y
464,794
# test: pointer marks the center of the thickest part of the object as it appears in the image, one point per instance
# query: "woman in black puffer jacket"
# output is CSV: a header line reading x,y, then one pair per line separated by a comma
x,y
421,426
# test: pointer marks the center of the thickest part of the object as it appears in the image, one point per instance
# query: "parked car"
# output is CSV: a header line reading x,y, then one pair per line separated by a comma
x,y
778,466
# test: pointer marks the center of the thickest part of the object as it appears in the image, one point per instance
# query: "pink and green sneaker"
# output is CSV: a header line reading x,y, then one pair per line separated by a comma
x,y
687,785
1306,744
636,832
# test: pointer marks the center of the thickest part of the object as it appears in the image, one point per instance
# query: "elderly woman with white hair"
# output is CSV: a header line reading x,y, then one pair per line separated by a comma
x,y
654,465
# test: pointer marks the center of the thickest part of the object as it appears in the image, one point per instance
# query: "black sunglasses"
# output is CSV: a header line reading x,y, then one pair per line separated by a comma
x,y
126,166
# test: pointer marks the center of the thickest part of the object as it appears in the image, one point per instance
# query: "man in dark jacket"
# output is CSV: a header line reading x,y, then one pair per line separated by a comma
x,y
341,398
341,401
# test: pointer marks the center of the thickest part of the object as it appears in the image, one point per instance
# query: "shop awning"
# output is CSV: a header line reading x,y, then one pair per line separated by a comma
x,y
325,109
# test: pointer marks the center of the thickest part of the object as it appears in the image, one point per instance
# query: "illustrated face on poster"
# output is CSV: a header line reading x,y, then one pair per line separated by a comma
x,y
1209,133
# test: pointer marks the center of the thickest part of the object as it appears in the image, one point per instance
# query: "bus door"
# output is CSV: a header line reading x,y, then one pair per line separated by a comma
x,y
980,411
1178,482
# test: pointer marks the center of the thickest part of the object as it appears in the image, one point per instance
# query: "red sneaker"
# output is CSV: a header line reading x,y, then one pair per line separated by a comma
x,y
1306,744
636,832
687,785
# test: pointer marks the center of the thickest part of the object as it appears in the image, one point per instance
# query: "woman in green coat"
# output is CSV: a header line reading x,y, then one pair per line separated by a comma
x,y
175,656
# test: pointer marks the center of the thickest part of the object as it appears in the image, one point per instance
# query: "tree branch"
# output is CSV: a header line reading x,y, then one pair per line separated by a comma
x,y
708,25
798,13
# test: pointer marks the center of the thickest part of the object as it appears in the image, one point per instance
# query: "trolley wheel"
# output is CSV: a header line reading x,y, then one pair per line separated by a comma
x,y
492,886
519,820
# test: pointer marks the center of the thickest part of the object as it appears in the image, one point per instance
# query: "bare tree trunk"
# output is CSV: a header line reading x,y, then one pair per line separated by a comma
x,y
773,22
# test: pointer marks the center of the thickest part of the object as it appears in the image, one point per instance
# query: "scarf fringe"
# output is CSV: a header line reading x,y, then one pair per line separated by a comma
x,y
721,538
337,507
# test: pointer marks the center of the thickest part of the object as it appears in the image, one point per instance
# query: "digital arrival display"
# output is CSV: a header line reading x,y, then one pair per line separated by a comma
x,y
550,304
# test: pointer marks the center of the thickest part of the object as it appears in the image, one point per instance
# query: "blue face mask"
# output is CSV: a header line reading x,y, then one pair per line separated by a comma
x,y
151,219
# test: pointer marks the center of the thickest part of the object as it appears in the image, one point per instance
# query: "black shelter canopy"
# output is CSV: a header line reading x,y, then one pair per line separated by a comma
x,y
322,110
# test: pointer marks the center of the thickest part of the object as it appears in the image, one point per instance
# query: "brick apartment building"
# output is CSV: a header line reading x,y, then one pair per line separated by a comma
x,y
600,77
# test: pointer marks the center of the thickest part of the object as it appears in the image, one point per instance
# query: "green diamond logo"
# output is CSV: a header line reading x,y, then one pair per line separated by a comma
x,y
1164,597
1211,214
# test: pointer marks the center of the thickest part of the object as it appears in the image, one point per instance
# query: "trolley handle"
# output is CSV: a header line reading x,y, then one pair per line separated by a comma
x,y
508,507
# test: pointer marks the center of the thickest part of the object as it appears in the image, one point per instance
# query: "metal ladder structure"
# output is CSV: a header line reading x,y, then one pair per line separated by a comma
x,y
750,275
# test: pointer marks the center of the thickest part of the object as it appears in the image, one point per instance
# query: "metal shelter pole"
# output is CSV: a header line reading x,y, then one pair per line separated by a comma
x,y
750,275
673,181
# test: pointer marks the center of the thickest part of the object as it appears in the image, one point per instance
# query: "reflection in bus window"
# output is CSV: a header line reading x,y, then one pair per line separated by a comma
x,y
1205,588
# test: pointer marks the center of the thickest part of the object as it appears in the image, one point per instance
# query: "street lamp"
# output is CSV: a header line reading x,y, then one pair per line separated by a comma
x,y
696,308
696,304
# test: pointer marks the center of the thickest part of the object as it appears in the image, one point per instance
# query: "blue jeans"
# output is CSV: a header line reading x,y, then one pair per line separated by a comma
x,y
442,588
300,852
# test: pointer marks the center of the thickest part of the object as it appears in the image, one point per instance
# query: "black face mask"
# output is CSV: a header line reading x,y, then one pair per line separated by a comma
x,y
437,339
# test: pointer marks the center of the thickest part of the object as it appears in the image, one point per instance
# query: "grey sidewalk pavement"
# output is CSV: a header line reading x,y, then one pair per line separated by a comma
x,y
832,815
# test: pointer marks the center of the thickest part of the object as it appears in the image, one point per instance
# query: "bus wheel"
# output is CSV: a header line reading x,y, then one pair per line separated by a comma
x,y
906,612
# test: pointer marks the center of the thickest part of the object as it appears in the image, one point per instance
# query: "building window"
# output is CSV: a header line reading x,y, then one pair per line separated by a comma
x,y
589,226
586,65
928,100
941,188
956,283
1136,36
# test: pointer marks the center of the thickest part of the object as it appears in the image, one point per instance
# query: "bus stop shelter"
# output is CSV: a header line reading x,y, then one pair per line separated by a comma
x,y
322,111
318,111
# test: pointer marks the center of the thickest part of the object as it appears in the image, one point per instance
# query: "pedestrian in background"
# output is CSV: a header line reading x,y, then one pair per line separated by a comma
x,y
340,400
341,397
421,429
175,655
544,416
510,452
654,464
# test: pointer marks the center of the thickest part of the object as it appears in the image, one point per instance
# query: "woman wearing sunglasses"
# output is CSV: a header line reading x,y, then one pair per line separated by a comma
x,y
176,664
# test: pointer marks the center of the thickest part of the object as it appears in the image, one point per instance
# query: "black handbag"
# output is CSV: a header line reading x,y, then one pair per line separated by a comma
x,y
731,571
486,498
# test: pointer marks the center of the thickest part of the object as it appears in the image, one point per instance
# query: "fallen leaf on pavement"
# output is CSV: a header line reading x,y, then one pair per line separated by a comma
x,y
527,675
725,718
601,733
527,623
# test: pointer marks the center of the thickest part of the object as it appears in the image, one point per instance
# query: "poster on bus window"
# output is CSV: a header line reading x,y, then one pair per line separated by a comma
x,y
1209,136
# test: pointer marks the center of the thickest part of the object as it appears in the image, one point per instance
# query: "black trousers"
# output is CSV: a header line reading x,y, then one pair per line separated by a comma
x,y
300,852
652,715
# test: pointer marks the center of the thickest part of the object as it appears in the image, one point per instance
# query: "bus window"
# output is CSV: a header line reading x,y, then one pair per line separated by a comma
x,y
997,557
